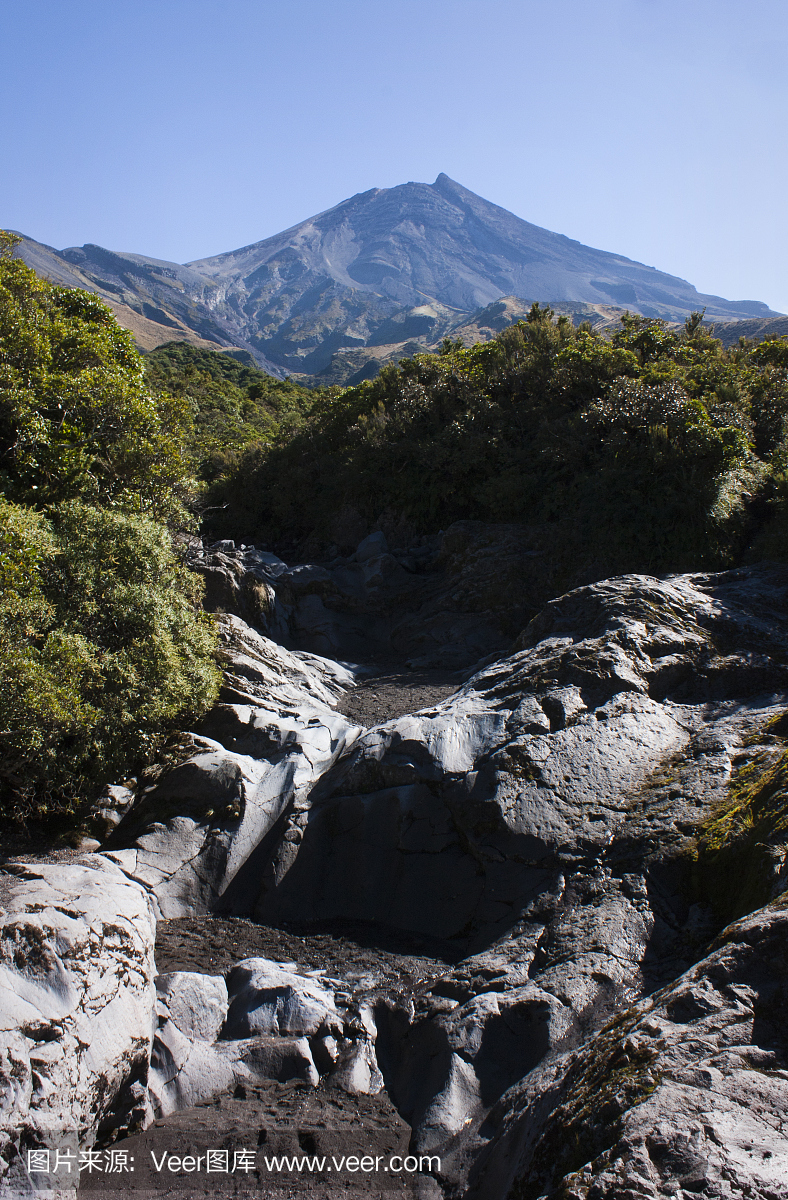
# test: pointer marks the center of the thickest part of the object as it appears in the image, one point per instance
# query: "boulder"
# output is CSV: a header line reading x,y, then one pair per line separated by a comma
x,y
190,1065
268,1021
77,981
270,999
110,808
195,830
195,1003
371,547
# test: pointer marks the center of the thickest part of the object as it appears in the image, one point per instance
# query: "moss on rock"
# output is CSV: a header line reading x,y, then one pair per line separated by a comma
x,y
742,846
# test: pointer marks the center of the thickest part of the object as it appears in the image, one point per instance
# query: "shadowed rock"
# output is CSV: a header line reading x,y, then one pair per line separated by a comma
x,y
540,831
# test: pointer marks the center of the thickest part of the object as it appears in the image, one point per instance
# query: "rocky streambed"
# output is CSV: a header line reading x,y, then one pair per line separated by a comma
x,y
513,915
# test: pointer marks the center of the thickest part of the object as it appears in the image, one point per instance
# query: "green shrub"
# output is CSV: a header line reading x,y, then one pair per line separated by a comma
x,y
642,442
232,405
102,651
103,646
76,417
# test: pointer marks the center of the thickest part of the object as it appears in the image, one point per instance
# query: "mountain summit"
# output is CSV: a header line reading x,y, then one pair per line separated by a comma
x,y
387,265
443,242
416,246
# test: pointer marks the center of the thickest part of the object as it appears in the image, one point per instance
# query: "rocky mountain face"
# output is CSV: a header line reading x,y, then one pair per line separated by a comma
x,y
388,268
145,295
536,926
381,267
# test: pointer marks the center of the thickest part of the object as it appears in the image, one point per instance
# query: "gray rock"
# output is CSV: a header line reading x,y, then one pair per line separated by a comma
x,y
371,547
547,810
76,1001
186,1072
195,1057
540,820
355,1068
446,604
441,824
196,1004
269,999
110,808
685,1093
538,833
268,1022
240,581
381,570
270,563
193,833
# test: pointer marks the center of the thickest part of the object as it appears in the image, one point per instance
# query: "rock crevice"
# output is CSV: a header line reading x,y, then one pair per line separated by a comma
x,y
545,835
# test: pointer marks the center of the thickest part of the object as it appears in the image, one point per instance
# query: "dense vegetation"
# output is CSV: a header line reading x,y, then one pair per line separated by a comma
x,y
653,445
655,449
232,406
103,647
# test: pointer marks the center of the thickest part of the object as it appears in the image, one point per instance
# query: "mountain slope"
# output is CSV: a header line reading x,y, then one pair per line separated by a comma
x,y
133,305
385,267
158,301
336,279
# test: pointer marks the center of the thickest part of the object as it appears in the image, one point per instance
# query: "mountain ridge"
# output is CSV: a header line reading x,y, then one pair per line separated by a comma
x,y
493,231
369,268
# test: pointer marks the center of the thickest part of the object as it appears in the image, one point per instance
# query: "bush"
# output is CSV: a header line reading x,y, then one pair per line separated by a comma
x,y
103,646
102,651
642,442
76,417
232,405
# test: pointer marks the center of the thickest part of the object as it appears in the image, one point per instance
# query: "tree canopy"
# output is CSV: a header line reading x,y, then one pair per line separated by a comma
x,y
232,406
654,441
77,419
103,645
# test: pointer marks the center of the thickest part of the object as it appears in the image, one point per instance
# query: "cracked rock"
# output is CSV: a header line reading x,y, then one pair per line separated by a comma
x,y
77,984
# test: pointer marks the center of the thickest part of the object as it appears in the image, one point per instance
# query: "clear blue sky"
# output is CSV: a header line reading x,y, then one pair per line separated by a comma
x,y
182,128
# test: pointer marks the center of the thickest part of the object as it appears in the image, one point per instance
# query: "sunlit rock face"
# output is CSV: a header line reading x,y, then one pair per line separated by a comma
x,y
452,821
541,823
76,994
194,832
578,1031
685,1094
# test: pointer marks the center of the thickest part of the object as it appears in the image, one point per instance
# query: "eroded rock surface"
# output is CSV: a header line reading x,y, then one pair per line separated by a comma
x,y
542,820
536,834
76,995
685,1093
195,831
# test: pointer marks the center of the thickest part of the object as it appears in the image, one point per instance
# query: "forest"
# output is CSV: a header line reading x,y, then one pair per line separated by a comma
x,y
655,450
667,451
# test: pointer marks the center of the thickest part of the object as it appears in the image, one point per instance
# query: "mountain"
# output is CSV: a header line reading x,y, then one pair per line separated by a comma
x,y
351,366
120,280
386,267
754,330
